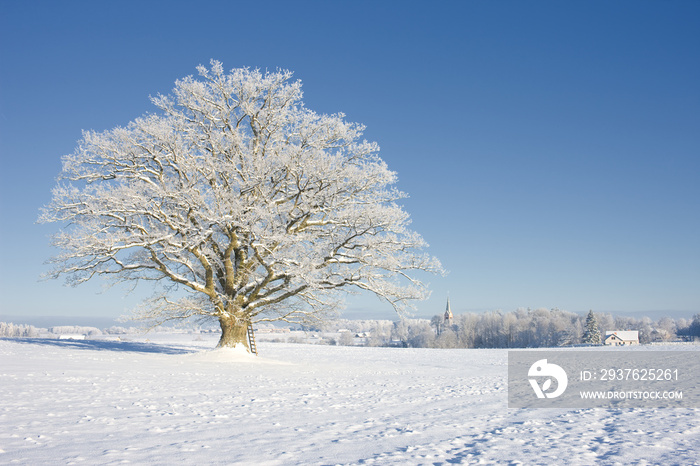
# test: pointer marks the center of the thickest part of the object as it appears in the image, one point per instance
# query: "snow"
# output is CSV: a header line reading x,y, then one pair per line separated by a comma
x,y
172,400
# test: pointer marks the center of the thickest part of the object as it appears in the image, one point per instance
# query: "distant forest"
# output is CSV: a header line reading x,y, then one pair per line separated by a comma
x,y
523,328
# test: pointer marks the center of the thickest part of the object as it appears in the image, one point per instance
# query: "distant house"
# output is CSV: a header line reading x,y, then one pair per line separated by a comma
x,y
621,338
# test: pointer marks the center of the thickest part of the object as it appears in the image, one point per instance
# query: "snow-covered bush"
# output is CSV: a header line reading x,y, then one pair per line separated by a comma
x,y
75,330
116,330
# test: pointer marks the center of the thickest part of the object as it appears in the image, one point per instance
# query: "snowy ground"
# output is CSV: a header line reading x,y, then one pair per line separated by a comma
x,y
170,401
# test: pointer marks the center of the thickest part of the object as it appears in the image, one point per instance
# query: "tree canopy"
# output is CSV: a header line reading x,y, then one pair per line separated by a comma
x,y
233,191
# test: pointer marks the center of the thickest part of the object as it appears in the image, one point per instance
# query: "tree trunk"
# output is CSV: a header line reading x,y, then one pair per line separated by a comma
x,y
234,332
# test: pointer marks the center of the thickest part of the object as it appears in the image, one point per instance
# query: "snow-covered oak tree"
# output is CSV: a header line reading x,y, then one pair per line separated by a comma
x,y
235,192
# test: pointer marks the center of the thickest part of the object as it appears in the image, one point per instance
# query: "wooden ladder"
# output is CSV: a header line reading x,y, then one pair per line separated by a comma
x,y
251,340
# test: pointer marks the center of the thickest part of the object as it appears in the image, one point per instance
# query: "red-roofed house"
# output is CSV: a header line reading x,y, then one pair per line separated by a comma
x,y
621,337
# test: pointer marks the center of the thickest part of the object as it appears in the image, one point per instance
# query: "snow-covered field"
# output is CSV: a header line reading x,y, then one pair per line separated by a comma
x,y
172,401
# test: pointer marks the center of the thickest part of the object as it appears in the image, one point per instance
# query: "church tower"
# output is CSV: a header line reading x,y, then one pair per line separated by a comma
x,y
448,313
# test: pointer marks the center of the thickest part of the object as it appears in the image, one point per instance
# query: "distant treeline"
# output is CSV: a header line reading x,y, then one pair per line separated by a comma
x,y
523,328
17,331
10,330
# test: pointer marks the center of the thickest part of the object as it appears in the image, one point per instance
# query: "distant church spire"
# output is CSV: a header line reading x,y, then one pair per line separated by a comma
x,y
448,312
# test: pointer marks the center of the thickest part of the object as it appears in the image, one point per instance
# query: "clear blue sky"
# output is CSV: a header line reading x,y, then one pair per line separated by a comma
x,y
551,149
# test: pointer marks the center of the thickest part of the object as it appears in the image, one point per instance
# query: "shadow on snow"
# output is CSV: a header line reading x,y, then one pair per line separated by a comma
x,y
104,345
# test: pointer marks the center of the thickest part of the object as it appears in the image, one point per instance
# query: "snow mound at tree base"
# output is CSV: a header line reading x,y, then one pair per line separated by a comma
x,y
236,354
